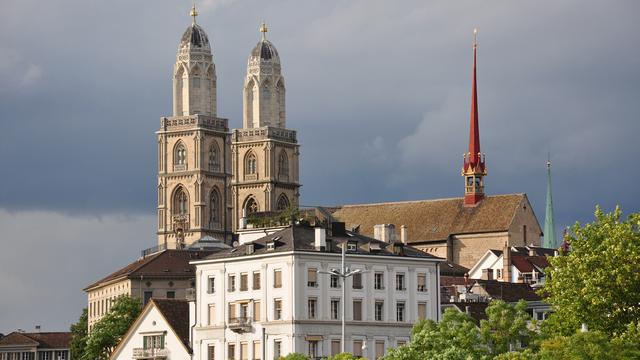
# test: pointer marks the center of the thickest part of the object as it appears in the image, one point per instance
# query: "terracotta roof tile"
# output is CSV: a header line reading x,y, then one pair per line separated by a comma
x,y
431,220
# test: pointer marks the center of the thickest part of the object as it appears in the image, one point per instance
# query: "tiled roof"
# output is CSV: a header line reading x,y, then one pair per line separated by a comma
x,y
448,268
165,264
302,238
477,310
526,264
48,340
509,292
176,312
432,220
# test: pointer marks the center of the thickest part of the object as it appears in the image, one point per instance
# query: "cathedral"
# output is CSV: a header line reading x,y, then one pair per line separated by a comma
x,y
210,177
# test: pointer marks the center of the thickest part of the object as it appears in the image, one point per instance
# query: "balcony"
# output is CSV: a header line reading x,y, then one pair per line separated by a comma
x,y
240,324
153,353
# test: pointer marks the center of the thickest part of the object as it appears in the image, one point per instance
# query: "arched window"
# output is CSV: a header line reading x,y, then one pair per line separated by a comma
x,y
180,202
283,166
251,164
283,203
180,157
214,209
214,157
251,206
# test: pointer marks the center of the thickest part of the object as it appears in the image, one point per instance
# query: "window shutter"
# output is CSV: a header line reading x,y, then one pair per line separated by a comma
x,y
312,274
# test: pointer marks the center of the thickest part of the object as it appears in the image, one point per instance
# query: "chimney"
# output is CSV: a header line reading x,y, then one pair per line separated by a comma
x,y
404,235
487,274
385,232
38,328
320,238
506,263
532,251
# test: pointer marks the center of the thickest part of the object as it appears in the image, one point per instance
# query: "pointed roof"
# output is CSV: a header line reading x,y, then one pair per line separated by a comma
x,y
550,240
474,129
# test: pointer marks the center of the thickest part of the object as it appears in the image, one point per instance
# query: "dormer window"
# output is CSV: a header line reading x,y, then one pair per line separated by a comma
x,y
352,246
271,245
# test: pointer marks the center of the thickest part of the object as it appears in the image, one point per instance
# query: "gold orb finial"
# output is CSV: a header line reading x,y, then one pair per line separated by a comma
x,y
194,12
263,30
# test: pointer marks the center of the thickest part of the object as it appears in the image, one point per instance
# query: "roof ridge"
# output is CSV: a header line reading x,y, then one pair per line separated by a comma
x,y
420,201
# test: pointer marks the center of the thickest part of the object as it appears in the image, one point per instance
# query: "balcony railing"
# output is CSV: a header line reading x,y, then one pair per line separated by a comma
x,y
153,353
240,324
422,288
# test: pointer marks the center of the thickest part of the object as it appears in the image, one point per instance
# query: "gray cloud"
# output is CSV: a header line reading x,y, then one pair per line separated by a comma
x,y
379,92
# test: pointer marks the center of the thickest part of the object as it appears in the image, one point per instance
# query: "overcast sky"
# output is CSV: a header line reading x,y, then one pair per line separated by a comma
x,y
379,92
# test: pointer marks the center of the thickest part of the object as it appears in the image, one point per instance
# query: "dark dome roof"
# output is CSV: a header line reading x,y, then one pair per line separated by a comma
x,y
265,50
194,36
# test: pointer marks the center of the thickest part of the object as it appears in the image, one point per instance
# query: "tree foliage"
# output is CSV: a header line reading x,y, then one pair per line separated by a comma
x,y
345,356
506,327
597,282
79,336
107,332
295,356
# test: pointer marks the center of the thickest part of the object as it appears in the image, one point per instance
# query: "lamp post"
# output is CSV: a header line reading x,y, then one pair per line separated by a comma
x,y
343,273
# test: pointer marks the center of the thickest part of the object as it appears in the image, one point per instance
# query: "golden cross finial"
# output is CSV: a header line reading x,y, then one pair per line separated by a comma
x,y
263,30
475,38
194,12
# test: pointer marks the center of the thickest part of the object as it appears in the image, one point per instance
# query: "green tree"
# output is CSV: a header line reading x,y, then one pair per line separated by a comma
x,y
345,356
107,332
295,356
454,337
79,336
506,327
597,282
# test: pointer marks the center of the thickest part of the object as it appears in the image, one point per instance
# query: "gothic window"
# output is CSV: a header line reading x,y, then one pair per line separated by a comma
x,y
251,206
283,166
214,157
251,164
280,110
283,203
180,156
180,202
214,209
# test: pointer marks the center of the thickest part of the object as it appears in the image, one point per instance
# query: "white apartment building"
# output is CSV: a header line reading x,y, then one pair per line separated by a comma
x,y
272,296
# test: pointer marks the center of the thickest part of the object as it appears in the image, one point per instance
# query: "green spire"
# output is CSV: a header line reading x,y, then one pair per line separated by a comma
x,y
549,228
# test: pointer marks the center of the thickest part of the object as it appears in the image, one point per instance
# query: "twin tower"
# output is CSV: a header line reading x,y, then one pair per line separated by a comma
x,y
209,178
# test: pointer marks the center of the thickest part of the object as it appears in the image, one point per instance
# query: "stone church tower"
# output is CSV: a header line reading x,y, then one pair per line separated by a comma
x,y
264,152
193,156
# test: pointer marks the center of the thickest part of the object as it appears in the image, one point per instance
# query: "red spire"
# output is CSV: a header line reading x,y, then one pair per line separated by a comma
x,y
474,167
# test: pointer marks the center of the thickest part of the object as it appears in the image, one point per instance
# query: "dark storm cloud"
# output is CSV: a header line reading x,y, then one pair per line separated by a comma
x,y
379,92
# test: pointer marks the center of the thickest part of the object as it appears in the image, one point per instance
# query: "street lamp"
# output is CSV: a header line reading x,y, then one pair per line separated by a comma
x,y
343,273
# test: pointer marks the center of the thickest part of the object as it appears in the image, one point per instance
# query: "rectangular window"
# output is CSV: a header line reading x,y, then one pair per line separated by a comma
x,y
379,348
335,347
498,273
244,310
256,280
400,282
357,348
231,351
422,282
212,314
153,342
352,246
277,278
357,281
232,283
256,311
378,281
400,312
379,310
147,297
335,281
212,285
422,311
232,311
277,309
311,305
312,277
313,349
335,309
171,294
244,282
244,351
357,310
277,349
257,350
211,352
400,343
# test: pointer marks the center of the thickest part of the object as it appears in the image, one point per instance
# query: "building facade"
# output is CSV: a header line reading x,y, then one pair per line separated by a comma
x,y
272,296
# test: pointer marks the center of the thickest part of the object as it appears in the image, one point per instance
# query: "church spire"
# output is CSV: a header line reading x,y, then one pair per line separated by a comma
x,y
474,161
549,227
